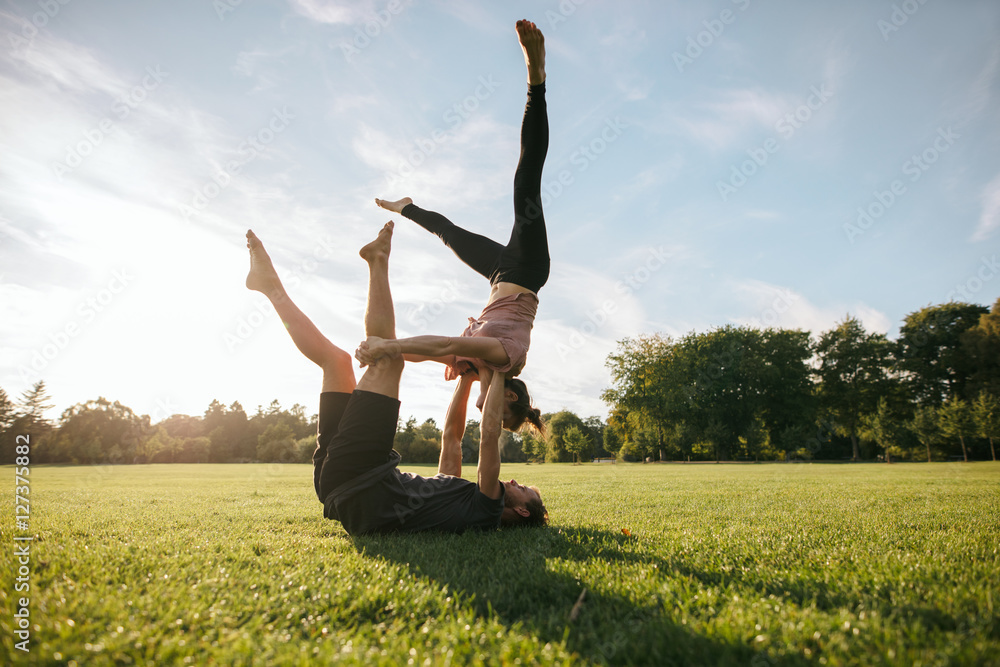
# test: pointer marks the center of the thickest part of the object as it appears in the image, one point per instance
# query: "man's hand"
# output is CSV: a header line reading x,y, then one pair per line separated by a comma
x,y
374,348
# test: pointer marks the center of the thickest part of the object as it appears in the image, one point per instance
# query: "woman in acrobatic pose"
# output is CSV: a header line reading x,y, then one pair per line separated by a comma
x,y
495,346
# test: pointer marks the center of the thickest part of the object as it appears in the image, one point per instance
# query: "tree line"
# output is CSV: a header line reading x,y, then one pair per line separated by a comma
x,y
744,393
100,431
730,393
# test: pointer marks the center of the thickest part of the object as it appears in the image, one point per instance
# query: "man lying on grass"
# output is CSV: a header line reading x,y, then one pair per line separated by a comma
x,y
355,467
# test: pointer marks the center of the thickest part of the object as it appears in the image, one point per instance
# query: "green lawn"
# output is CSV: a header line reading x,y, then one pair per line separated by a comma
x,y
735,564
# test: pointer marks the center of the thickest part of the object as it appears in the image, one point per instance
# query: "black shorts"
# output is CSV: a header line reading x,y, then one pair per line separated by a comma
x,y
356,431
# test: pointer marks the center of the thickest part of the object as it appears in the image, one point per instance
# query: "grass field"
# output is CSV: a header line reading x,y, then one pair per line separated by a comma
x,y
735,564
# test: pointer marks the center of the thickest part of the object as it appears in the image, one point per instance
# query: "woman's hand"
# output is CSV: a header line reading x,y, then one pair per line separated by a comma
x,y
374,348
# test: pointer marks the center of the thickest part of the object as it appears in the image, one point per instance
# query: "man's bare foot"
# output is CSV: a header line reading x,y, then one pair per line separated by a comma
x,y
379,248
533,44
262,277
394,206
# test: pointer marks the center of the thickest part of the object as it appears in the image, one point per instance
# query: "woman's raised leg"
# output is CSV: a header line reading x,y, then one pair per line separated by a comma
x,y
525,260
480,253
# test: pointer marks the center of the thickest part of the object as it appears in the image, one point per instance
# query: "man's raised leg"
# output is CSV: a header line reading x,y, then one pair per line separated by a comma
x,y
380,319
337,365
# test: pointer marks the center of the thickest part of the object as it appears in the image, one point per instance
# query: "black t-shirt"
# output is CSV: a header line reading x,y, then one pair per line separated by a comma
x,y
386,500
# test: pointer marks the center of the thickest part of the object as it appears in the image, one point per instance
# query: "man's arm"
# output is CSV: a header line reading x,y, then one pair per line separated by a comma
x,y
488,472
475,347
450,462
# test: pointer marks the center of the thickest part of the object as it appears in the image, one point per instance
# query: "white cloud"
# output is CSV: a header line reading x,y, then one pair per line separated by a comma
x,y
466,165
720,122
263,66
334,11
766,305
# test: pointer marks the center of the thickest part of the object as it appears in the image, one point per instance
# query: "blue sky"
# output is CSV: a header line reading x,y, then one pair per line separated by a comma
x,y
710,163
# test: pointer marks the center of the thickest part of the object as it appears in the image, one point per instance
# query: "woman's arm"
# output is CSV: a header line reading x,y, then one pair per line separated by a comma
x,y
416,358
450,462
487,349
488,472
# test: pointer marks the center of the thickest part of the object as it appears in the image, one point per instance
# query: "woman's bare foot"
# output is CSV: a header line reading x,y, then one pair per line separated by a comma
x,y
262,277
533,44
394,206
379,248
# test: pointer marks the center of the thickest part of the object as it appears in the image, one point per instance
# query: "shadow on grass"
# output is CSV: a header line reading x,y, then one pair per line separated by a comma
x,y
513,576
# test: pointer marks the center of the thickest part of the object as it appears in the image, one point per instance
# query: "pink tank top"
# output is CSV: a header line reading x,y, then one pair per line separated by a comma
x,y
508,319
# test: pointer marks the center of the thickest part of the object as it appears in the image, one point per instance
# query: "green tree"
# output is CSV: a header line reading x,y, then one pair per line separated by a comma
x,y
512,447
7,411
183,426
631,434
8,414
981,346
99,431
788,393
885,428
35,402
854,373
160,446
306,447
932,356
594,430
533,447
734,387
28,419
644,388
574,441
194,450
470,442
925,425
956,421
277,444
986,413
229,433
419,443
557,426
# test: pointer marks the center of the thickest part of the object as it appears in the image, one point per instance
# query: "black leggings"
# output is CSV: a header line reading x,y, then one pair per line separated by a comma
x,y
524,260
